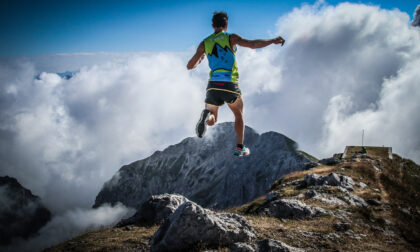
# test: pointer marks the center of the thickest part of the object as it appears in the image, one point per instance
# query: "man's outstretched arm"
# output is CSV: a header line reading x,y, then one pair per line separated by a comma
x,y
257,43
197,58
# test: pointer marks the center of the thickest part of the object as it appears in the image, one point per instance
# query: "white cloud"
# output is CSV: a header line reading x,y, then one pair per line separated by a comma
x,y
336,69
70,224
65,138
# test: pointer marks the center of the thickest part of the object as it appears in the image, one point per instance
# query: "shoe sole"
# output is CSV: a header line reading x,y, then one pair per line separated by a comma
x,y
201,125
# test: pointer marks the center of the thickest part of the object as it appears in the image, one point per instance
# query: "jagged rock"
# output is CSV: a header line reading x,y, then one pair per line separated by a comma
x,y
155,210
205,170
290,209
191,225
310,194
310,165
333,179
22,214
243,247
267,245
272,196
340,198
374,202
273,245
362,185
342,226
329,161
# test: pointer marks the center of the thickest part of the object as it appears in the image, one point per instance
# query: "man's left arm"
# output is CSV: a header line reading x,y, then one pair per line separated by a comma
x,y
197,58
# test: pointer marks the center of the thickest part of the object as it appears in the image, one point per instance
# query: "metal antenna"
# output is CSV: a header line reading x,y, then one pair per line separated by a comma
x,y
363,136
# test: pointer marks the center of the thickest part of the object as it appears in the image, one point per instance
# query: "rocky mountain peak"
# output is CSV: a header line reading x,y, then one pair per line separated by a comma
x,y
21,213
206,171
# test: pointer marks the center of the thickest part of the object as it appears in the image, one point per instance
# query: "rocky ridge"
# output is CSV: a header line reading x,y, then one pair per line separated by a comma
x,y
361,205
205,170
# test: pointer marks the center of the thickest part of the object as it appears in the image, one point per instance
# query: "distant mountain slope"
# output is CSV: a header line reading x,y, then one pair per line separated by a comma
x,y
205,170
21,213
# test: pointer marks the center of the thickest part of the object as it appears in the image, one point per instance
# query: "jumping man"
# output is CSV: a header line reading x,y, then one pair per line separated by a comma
x,y
220,48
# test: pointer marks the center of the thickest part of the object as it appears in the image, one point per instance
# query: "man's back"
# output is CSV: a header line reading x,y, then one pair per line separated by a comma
x,y
221,57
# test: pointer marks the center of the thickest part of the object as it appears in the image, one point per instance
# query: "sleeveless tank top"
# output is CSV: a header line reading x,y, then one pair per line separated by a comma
x,y
221,57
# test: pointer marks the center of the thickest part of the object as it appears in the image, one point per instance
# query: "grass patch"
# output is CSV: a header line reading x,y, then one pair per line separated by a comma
x,y
109,239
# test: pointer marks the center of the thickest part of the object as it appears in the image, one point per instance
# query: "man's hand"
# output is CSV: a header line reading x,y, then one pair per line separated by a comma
x,y
279,40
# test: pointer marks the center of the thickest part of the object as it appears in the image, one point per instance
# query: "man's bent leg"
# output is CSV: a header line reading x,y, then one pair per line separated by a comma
x,y
237,109
213,114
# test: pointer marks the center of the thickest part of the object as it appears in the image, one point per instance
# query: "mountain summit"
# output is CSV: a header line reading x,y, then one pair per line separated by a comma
x,y
205,170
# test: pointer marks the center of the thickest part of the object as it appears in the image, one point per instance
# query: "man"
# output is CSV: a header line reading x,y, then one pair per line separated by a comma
x,y
220,48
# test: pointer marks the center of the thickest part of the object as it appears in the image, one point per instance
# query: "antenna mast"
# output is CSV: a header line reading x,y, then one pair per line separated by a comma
x,y
363,136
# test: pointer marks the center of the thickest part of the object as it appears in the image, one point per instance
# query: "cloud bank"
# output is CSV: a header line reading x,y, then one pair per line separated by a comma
x,y
69,224
343,69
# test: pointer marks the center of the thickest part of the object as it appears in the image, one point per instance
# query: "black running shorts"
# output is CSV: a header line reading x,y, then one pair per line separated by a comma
x,y
219,92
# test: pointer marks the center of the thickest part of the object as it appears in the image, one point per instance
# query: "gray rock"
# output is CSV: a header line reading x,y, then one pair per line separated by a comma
x,y
341,198
269,245
192,225
310,165
374,202
362,185
155,210
312,179
272,196
290,209
333,179
342,226
329,161
310,194
242,247
205,170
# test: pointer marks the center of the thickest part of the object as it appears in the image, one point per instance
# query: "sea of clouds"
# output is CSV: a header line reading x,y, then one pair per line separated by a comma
x,y
343,69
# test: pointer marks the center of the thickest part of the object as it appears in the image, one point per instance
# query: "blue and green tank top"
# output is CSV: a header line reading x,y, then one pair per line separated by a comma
x,y
221,57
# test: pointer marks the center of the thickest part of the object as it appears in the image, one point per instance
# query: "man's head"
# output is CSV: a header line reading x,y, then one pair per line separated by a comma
x,y
220,20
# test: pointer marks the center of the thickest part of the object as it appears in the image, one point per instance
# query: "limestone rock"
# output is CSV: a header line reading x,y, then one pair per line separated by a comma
x,y
341,198
155,210
273,245
266,245
191,225
342,226
242,247
205,170
333,179
290,209
329,161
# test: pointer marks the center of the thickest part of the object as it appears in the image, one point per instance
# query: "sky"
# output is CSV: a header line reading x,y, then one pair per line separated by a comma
x,y
345,67
49,27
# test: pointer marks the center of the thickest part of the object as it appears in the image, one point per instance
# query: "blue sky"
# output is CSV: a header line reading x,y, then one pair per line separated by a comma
x,y
49,27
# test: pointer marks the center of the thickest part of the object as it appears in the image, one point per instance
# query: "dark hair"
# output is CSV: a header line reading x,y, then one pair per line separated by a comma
x,y
219,19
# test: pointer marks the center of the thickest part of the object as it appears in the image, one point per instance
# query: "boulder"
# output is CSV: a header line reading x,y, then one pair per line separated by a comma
x,y
155,210
242,247
333,179
329,161
342,226
264,246
290,209
192,226
273,245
